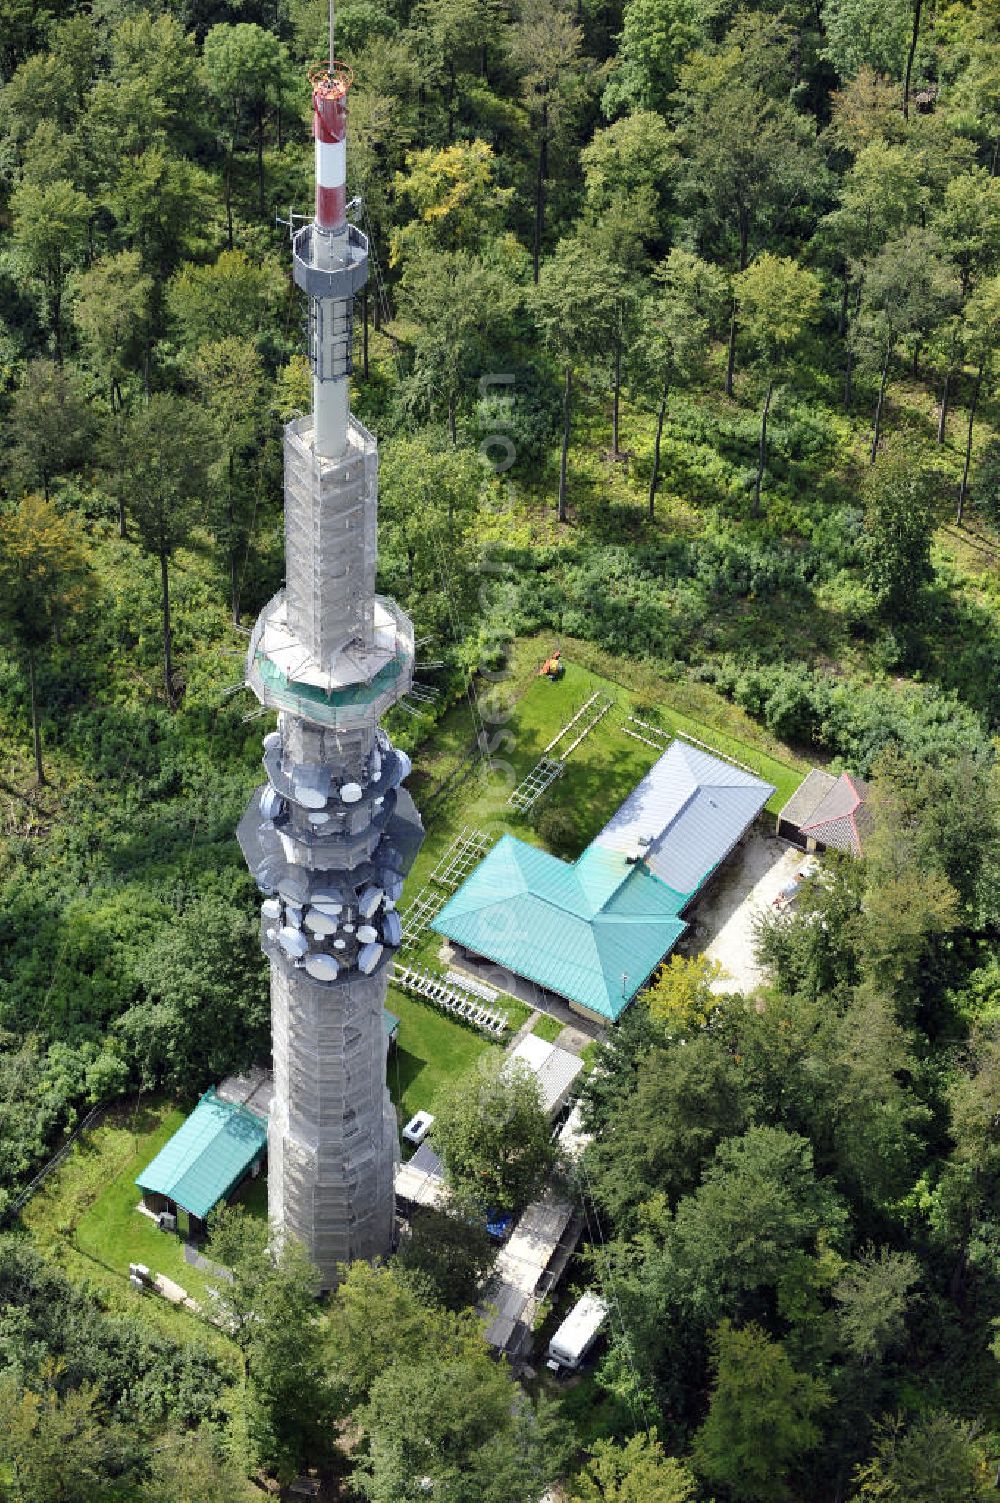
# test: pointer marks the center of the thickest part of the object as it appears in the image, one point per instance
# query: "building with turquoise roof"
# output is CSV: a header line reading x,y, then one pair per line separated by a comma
x,y
593,931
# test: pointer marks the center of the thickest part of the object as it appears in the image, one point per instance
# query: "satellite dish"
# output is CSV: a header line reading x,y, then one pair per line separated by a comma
x,y
392,883
369,958
270,871
392,928
376,763
340,944
270,909
309,797
370,898
322,967
348,928
293,942
293,915
293,885
320,923
367,935
271,803
351,793
317,820
272,741
406,766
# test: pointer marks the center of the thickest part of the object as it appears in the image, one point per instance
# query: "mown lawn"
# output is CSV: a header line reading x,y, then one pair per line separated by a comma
x,y
547,1028
86,1213
522,715
431,1052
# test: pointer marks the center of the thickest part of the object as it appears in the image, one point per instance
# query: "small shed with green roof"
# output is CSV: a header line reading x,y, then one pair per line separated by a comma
x,y
221,1144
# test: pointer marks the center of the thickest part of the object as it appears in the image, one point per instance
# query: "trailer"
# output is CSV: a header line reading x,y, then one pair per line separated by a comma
x,y
577,1334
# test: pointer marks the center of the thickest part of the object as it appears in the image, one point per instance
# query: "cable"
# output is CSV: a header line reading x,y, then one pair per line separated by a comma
x,y
580,1171
478,720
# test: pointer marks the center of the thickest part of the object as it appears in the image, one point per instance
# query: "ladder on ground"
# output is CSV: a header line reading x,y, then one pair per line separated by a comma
x,y
552,763
659,740
465,852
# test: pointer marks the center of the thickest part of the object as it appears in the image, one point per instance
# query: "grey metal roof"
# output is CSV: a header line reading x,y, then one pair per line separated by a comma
x,y
692,808
807,797
554,1069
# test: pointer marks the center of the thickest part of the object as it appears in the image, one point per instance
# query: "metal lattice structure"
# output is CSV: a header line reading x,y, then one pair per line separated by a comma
x,y
465,852
541,777
549,767
453,995
332,833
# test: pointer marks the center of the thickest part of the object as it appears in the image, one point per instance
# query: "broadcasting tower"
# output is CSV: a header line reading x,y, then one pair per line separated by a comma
x,y
331,834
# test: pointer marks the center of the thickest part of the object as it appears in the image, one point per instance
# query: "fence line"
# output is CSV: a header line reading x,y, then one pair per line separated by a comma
x,y
17,1206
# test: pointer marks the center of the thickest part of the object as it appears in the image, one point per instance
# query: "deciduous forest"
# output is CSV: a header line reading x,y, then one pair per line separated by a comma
x,y
682,344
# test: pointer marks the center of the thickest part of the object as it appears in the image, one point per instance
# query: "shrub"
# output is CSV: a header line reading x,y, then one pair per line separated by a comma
x,y
986,482
558,829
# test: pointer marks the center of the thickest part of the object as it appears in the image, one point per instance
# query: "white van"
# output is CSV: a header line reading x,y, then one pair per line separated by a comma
x,y
577,1334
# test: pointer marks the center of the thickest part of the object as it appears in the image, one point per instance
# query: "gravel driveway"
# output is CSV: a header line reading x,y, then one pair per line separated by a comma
x,y
722,922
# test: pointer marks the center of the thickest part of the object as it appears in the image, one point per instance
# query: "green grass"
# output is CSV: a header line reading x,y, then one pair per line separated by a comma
x,y
432,1051
600,773
85,1214
90,1202
548,1028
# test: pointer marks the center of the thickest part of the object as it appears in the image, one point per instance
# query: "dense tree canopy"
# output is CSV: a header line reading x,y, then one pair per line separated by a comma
x,y
681,344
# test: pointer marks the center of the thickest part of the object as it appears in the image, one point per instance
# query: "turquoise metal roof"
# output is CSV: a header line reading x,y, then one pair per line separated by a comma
x,y
592,931
207,1156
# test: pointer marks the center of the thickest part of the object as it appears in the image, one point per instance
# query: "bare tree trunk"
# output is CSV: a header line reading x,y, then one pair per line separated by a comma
x,y
168,671
660,416
917,7
963,489
762,454
731,358
943,409
880,404
617,393
36,730
260,162
57,324
845,292
543,163
567,413
228,188
234,562
733,323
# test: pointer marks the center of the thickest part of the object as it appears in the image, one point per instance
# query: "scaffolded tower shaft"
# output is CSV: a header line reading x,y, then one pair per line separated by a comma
x,y
332,833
